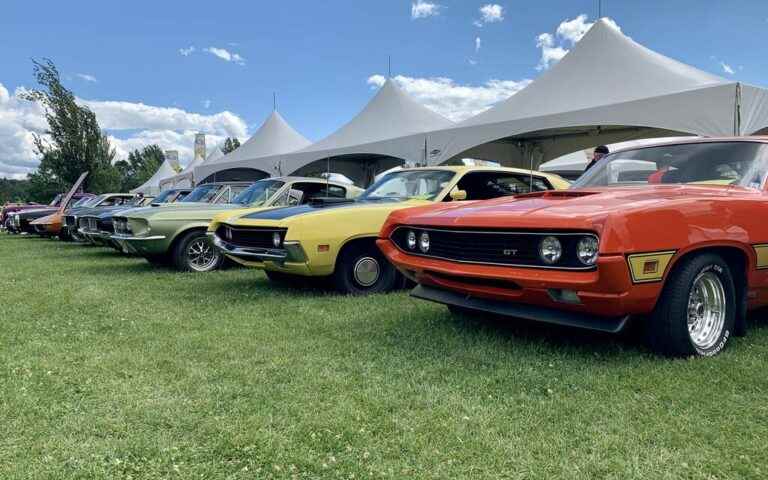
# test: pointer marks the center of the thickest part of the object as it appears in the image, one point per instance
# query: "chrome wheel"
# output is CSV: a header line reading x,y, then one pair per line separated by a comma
x,y
366,271
706,310
201,256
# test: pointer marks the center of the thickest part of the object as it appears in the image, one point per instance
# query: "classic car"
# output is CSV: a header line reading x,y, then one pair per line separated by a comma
x,y
684,249
53,225
21,222
332,238
9,208
98,226
175,235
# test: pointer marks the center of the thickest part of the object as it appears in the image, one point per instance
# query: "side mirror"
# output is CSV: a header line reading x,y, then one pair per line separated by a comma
x,y
458,195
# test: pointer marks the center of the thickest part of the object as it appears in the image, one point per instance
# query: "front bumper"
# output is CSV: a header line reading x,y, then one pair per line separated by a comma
x,y
149,245
606,292
290,259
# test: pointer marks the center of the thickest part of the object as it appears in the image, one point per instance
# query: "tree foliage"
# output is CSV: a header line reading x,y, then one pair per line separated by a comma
x,y
74,142
140,166
13,190
230,145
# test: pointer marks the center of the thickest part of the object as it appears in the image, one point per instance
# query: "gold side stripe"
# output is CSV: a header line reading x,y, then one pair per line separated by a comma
x,y
649,267
761,251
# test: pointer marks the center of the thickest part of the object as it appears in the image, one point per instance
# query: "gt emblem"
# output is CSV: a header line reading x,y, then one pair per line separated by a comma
x,y
508,252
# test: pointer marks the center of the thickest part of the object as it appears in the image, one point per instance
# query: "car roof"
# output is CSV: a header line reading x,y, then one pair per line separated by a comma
x,y
475,168
693,140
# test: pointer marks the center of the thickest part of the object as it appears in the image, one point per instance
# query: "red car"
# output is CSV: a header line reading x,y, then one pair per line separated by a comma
x,y
674,235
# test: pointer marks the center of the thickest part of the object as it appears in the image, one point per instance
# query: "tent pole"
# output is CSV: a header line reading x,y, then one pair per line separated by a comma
x,y
737,111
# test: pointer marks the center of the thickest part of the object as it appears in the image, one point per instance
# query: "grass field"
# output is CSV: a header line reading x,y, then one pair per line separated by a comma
x,y
110,368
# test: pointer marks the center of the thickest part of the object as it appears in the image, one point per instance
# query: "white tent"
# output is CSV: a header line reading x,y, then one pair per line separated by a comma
x,y
274,137
186,177
392,129
152,186
607,89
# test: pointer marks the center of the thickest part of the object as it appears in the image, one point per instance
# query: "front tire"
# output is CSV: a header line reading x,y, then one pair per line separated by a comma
x,y
696,312
362,269
195,252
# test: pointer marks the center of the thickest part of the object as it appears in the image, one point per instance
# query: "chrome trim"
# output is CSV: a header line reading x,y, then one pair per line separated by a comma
x,y
129,237
585,268
271,254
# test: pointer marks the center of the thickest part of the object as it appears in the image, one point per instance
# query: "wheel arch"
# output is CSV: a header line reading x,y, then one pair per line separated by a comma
x,y
354,241
740,259
179,234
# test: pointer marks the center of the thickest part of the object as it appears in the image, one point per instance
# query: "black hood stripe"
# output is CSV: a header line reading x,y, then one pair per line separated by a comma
x,y
286,212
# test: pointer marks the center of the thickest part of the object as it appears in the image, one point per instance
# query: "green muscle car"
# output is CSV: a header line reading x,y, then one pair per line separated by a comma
x,y
175,235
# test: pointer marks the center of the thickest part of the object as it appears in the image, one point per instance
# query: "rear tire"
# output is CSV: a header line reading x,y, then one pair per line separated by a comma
x,y
696,311
362,269
195,252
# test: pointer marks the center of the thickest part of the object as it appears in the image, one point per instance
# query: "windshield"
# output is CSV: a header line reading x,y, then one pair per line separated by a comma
x,y
203,193
709,163
258,193
164,196
409,184
84,202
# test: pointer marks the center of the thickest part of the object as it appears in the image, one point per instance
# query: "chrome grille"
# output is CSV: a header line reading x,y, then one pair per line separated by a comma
x,y
259,237
495,247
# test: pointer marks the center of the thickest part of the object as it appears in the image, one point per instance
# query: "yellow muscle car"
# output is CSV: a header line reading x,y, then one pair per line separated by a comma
x,y
336,238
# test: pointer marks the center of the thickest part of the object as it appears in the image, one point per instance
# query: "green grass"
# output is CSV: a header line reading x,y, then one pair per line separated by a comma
x,y
110,368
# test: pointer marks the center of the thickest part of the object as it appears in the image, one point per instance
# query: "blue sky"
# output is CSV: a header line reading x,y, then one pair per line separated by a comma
x,y
319,57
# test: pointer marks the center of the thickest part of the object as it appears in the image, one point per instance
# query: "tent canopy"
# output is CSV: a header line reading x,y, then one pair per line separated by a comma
x,y
608,88
186,178
152,186
274,137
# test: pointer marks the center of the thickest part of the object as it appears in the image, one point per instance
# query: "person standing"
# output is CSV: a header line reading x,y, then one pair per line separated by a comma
x,y
600,152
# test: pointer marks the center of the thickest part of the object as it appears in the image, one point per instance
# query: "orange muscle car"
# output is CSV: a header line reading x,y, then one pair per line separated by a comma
x,y
674,235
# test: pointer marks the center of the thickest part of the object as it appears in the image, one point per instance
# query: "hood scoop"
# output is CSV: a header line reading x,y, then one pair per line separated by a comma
x,y
557,194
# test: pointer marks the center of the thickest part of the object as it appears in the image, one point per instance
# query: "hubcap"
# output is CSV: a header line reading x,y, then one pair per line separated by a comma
x,y
366,271
706,310
201,255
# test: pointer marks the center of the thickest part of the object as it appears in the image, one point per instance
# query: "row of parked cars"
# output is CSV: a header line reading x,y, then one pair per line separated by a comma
x,y
670,235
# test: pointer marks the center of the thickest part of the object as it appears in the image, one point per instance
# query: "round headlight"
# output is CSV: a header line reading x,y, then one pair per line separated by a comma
x,y
411,240
424,242
586,250
276,240
550,250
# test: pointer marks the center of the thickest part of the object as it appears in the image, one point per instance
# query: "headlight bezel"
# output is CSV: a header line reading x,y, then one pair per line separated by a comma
x,y
593,250
555,247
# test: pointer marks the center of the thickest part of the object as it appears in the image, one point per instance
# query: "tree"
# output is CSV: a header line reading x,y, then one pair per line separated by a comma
x,y
74,142
139,167
230,144
13,190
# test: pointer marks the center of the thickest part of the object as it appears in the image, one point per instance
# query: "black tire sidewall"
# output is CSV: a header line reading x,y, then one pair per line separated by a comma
x,y
180,260
674,306
344,275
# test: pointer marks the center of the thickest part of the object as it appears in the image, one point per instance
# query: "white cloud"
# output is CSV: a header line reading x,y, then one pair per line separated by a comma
x,y
117,115
206,103
226,55
477,23
472,61
491,13
555,46
726,68
478,43
454,101
187,51
86,77
130,125
422,9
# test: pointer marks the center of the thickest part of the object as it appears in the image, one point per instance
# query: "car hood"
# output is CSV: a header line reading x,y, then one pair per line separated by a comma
x,y
37,212
190,211
48,219
568,208
285,216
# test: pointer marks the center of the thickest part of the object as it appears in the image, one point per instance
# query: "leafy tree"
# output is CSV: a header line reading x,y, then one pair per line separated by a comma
x,y
230,144
139,167
13,190
74,142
